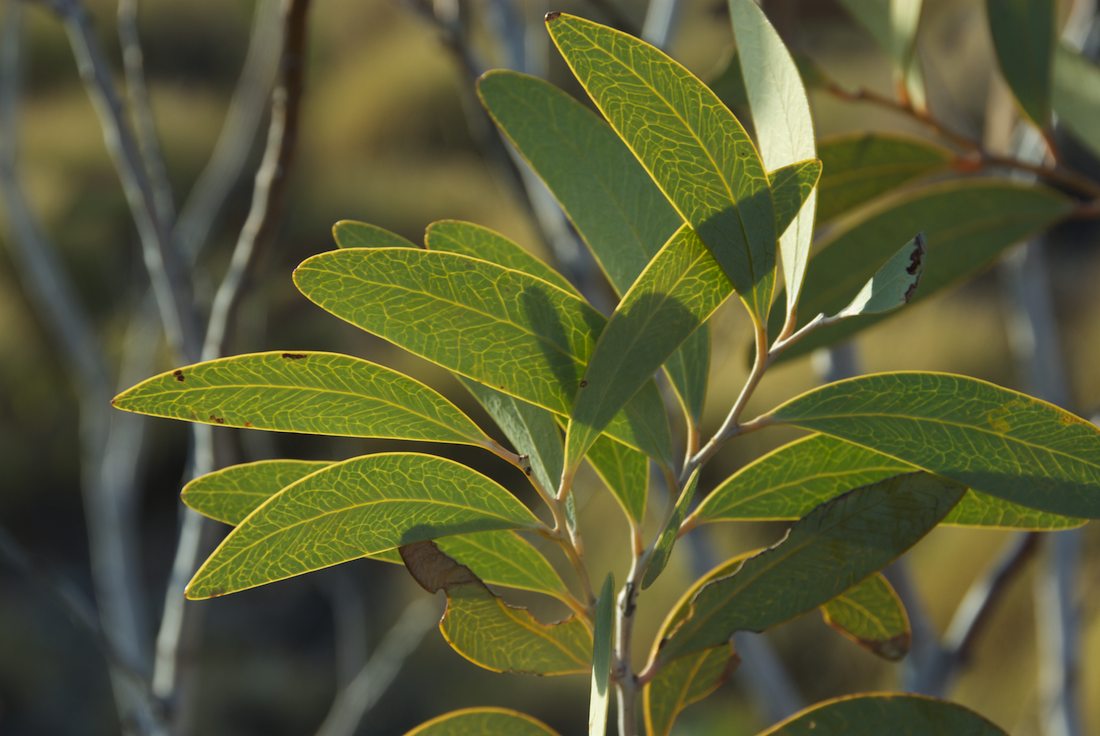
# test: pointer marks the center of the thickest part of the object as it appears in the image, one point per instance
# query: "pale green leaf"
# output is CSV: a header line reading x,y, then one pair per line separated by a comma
x,y
893,285
872,615
1023,36
489,632
615,207
662,550
307,392
836,546
966,224
352,509
355,234
682,286
1076,95
781,119
859,167
603,638
500,327
455,236
674,124
998,441
787,483
230,494
898,714
531,430
483,722
624,471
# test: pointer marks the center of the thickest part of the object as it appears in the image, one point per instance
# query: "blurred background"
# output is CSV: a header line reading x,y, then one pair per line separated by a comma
x,y
391,133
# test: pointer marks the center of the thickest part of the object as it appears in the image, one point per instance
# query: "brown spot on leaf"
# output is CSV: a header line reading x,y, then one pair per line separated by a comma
x,y
248,425
908,296
584,382
178,375
917,255
433,569
293,356
552,15
892,649
527,470
216,419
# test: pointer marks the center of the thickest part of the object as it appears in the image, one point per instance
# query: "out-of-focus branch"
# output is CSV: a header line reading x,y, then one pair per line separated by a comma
x,y
370,684
167,270
660,22
141,109
179,625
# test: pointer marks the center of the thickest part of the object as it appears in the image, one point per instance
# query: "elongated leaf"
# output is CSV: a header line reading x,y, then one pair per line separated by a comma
x,y
491,633
966,225
312,393
483,722
601,659
355,508
859,167
873,715
501,327
792,186
1076,95
693,677
781,119
1023,37
454,236
871,615
893,24
531,430
230,494
355,234
678,291
836,546
625,472
893,285
498,557
662,550
789,482
615,207
1004,443
674,124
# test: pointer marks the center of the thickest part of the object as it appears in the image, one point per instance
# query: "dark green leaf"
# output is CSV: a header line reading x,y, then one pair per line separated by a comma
x,y
792,186
873,715
836,546
483,722
1023,37
689,142
662,550
1077,95
625,472
994,440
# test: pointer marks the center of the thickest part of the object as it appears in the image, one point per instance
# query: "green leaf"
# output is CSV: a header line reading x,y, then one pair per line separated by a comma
x,y
601,659
682,286
312,393
789,482
501,327
893,24
531,430
893,285
689,142
454,236
662,550
998,441
836,546
690,678
792,186
355,234
625,472
483,722
352,509
498,557
781,119
230,494
615,207
1023,37
873,715
966,224
859,167
871,615
1076,95
491,633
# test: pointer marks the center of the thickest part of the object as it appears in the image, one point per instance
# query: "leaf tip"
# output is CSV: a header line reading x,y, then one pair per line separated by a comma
x,y
552,16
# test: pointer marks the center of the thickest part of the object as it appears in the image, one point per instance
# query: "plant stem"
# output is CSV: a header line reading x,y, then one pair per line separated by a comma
x,y
626,682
